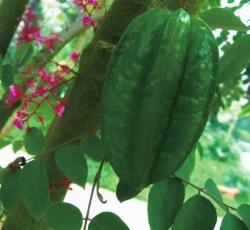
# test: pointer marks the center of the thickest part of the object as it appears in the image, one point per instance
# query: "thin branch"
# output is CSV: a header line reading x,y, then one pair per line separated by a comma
x,y
95,183
202,190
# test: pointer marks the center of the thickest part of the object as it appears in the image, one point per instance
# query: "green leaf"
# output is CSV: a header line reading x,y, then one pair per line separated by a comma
x,y
244,211
72,162
93,147
17,145
187,167
23,54
164,201
211,187
107,221
222,18
196,213
10,192
34,141
34,187
63,216
125,192
7,75
233,62
231,222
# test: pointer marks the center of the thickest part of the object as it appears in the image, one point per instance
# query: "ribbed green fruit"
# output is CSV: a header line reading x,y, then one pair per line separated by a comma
x,y
160,84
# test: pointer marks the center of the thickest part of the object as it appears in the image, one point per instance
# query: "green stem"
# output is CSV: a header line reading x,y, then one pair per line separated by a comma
x,y
202,190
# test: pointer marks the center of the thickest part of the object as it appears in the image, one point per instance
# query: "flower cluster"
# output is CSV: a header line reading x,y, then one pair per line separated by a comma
x,y
88,7
45,89
32,32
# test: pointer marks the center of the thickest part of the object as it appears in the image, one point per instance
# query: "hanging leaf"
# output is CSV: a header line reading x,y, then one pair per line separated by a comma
x,y
93,147
211,187
107,221
34,141
231,222
72,162
10,192
63,216
196,213
222,18
187,167
244,211
7,75
125,192
164,201
233,62
34,187
23,54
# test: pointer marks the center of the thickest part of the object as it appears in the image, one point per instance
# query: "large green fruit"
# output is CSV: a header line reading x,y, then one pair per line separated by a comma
x,y
160,84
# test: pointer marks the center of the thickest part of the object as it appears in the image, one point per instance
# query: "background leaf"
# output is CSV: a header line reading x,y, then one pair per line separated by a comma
x,y
107,221
233,62
222,18
211,187
231,222
185,171
23,54
34,187
63,216
164,201
34,141
72,162
93,147
196,213
244,211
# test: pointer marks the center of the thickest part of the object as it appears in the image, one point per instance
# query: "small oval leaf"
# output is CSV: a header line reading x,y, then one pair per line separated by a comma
x,y
211,187
34,185
232,222
164,201
125,192
34,141
107,221
196,213
63,216
244,211
72,162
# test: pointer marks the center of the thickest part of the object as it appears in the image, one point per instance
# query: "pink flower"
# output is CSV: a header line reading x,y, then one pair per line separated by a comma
x,y
28,34
91,2
44,75
18,123
41,119
21,115
40,91
60,107
30,83
29,14
78,2
49,42
74,56
87,20
15,93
